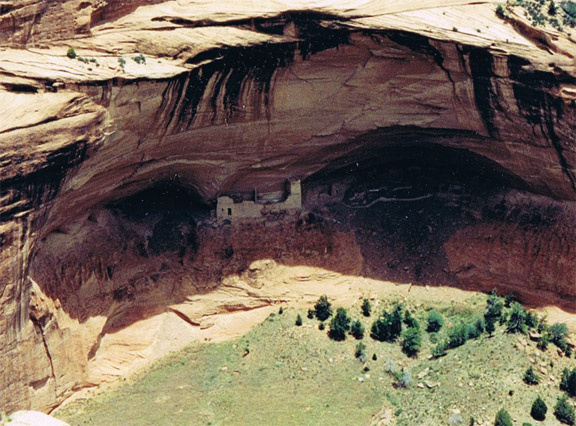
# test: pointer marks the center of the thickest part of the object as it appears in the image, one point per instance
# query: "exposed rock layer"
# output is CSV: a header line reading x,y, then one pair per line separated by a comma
x,y
235,99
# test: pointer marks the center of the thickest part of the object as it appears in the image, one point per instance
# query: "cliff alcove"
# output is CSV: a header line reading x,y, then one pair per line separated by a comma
x,y
426,155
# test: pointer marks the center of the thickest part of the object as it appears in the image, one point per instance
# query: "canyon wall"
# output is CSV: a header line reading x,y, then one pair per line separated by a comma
x,y
231,99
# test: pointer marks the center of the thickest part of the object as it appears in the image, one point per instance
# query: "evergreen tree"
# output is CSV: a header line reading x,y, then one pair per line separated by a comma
x,y
568,381
409,320
564,411
323,308
435,321
366,308
411,341
339,325
503,418
539,409
517,319
494,307
298,320
530,377
357,330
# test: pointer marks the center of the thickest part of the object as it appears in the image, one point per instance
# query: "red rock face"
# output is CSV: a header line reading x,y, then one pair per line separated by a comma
x,y
257,101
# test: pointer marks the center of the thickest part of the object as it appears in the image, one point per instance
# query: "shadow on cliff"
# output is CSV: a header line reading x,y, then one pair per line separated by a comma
x,y
421,214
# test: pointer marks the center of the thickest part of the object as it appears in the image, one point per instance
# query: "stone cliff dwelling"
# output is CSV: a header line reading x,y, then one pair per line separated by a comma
x,y
288,201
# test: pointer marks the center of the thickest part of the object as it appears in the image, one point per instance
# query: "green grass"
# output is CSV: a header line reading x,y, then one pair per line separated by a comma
x,y
286,375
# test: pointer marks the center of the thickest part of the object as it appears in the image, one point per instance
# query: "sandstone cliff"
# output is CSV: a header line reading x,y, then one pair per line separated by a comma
x,y
208,98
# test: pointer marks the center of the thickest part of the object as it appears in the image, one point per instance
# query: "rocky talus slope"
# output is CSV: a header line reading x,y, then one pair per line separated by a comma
x,y
110,162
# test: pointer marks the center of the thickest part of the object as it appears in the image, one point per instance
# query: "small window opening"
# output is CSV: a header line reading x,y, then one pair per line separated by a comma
x,y
229,212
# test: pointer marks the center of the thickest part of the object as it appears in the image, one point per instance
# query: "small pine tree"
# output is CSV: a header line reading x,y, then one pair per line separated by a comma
x,y
310,314
552,8
490,325
539,409
396,323
435,321
530,377
564,411
339,325
323,308
494,307
357,330
503,418
298,320
366,308
322,326
71,53
568,381
411,341
409,320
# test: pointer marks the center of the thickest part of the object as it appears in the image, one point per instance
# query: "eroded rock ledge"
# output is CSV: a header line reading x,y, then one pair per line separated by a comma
x,y
353,98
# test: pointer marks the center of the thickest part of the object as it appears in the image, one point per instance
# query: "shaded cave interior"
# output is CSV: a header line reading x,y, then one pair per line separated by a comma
x,y
400,203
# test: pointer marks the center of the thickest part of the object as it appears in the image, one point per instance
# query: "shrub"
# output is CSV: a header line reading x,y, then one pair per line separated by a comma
x,y
374,357
539,409
322,326
404,379
391,367
439,350
140,59
558,333
530,377
501,12
435,321
563,411
122,62
568,381
503,418
310,314
458,335
411,341
543,342
366,308
71,53
455,420
298,320
360,348
357,330
517,319
339,325
552,9
323,308
409,320
281,310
